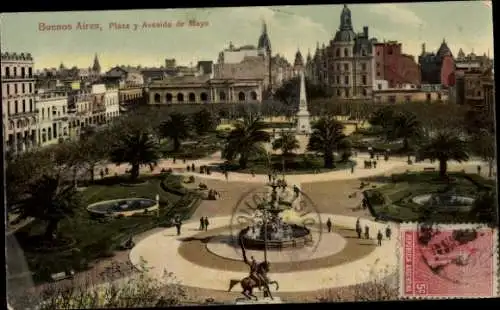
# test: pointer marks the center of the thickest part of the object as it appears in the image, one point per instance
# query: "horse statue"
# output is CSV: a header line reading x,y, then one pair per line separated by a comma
x,y
256,279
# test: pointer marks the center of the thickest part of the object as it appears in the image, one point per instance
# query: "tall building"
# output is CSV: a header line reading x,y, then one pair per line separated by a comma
x,y
20,118
437,68
346,65
53,117
395,67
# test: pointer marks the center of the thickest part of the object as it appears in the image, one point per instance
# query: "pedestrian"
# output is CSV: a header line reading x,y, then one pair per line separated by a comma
x,y
376,157
352,168
106,171
253,173
388,232
202,223
226,175
379,238
188,168
101,173
269,176
206,223
174,159
193,168
375,164
479,169
329,225
367,232
178,225
358,231
183,160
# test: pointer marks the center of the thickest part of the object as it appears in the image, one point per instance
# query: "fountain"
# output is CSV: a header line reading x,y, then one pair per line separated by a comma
x,y
271,230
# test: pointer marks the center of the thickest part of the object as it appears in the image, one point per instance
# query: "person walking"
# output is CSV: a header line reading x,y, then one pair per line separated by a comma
x,y
329,225
388,232
269,176
202,223
379,238
352,168
226,175
206,223
193,167
358,231
375,164
178,225
367,232
479,169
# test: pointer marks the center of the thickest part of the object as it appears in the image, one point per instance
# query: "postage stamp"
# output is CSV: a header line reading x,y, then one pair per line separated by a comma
x,y
448,261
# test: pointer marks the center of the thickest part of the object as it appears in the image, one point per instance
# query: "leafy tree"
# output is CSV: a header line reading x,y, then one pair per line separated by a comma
x,y
475,122
245,139
405,126
48,199
289,92
443,147
176,128
483,144
136,146
286,143
203,121
326,137
485,207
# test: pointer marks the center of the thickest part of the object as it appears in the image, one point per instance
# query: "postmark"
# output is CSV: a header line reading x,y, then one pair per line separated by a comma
x,y
448,261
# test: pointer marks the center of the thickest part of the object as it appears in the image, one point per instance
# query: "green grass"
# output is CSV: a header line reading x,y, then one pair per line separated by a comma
x,y
98,237
205,146
398,194
295,164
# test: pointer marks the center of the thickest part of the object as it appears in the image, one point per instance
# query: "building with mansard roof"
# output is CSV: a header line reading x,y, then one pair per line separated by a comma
x,y
346,65
437,68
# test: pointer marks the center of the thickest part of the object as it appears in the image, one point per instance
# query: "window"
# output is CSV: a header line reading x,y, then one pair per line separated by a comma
x,y
222,96
389,51
338,93
364,80
192,97
180,97
337,52
346,52
203,97
30,72
378,53
338,67
338,79
392,99
15,89
43,113
346,80
378,64
15,71
379,86
241,96
253,96
16,108
23,72
8,108
169,97
346,67
23,88
363,67
347,93
365,92
363,52
378,73
7,72
8,89
24,105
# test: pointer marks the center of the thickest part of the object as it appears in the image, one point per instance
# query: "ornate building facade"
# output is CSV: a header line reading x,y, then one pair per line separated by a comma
x,y
346,65
53,116
19,111
437,68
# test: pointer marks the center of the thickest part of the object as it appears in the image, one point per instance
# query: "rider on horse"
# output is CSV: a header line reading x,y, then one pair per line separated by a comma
x,y
258,271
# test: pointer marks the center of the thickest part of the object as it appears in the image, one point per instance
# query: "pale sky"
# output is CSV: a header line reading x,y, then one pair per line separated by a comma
x,y
464,24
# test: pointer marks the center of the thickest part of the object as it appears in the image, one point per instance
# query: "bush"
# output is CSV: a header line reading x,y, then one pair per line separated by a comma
x,y
172,184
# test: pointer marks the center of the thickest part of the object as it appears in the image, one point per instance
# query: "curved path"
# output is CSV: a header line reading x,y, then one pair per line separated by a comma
x,y
160,253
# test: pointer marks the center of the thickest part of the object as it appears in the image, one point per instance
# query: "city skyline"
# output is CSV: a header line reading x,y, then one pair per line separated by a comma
x,y
289,27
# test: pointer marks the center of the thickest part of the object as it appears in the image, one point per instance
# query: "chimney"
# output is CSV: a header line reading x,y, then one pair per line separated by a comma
x,y
365,31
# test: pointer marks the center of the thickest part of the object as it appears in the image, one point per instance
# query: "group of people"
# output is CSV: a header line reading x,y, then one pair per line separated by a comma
x,y
380,236
370,164
104,172
204,223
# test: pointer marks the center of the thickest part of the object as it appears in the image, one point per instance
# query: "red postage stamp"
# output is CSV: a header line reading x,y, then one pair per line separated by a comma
x,y
448,260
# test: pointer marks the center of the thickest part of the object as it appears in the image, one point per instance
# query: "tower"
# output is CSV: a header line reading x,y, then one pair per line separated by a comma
x,y
265,45
303,121
96,68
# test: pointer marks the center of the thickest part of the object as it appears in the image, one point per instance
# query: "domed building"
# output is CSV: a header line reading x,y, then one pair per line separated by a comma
x,y
346,64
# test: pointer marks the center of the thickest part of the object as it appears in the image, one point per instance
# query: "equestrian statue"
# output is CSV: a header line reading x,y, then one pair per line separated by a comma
x,y
257,277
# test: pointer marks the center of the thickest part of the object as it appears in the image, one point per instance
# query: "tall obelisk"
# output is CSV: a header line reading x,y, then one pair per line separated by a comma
x,y
303,116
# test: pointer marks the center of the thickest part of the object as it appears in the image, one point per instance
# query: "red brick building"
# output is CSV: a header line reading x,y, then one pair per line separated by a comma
x,y
437,68
394,66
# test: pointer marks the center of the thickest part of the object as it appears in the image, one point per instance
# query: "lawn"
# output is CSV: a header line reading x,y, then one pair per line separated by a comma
x,y
295,164
97,237
199,147
394,200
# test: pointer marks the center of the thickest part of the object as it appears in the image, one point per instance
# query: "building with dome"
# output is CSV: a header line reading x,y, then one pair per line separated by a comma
x,y
437,68
346,65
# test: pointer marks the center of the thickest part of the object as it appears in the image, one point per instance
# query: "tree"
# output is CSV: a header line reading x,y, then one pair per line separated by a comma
x,y
289,91
94,149
485,207
286,143
135,146
245,139
382,117
203,121
404,126
483,144
326,137
475,122
444,146
176,128
49,200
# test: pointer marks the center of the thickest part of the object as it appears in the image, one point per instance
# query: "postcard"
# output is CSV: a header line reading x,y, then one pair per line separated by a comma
x,y
249,155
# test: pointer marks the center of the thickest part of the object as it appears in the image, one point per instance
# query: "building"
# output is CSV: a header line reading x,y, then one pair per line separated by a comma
x,y
19,111
346,65
437,68
53,117
475,88
407,95
112,104
79,112
203,89
131,96
395,67
471,61
125,76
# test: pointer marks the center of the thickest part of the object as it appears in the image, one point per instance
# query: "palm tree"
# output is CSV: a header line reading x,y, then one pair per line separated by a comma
x,y
444,146
176,128
136,147
326,138
51,201
245,139
286,143
405,126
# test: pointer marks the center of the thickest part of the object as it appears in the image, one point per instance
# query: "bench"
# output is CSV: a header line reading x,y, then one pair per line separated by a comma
x,y
429,169
62,275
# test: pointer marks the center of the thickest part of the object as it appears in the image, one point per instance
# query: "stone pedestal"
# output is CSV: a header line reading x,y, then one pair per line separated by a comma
x,y
303,122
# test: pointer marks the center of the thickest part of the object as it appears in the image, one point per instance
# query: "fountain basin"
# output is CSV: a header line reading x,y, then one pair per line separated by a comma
x,y
445,202
123,207
301,237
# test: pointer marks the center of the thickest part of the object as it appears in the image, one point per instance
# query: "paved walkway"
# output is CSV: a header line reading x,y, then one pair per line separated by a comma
x,y
160,253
